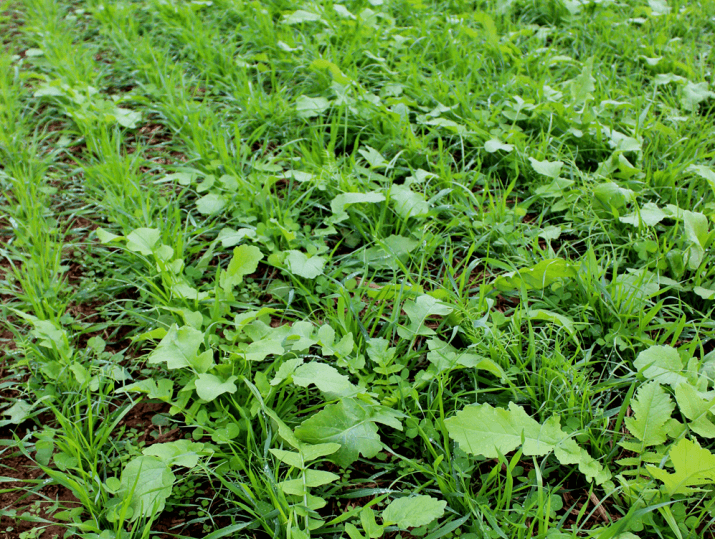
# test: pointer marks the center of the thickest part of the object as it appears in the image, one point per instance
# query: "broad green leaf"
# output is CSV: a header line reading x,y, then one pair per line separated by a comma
x,y
662,364
340,203
622,143
326,339
210,204
80,373
210,386
127,118
408,203
161,389
704,172
300,16
291,458
387,416
696,408
379,350
612,196
183,290
244,262
147,481
299,175
338,75
312,452
372,156
284,430
50,334
17,413
229,182
300,264
49,90
369,524
353,532
310,479
666,78
635,288
177,453
230,237
413,511
182,178
495,145
483,430
652,408
193,318
301,336
449,124
143,240
694,94
555,188
260,350
343,12
659,7
552,169
243,319
178,348
326,378
207,183
318,478
286,369
554,318
164,252
307,452
650,215
309,107
694,466
392,291
391,250
538,277
314,503
105,236
418,311
705,293
348,423
696,232
445,357
583,85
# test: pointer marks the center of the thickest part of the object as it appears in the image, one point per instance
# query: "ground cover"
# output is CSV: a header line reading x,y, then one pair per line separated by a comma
x,y
372,268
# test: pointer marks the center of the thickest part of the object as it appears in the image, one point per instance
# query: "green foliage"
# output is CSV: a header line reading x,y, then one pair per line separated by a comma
x,y
351,424
543,274
484,430
694,466
146,482
413,512
300,264
179,348
418,311
362,268
652,409
244,262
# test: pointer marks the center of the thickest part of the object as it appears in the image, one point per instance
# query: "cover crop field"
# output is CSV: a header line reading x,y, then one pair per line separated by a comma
x,y
359,269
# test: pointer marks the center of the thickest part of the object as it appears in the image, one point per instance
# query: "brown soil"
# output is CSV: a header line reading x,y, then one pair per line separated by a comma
x,y
10,27
170,523
31,506
5,273
139,418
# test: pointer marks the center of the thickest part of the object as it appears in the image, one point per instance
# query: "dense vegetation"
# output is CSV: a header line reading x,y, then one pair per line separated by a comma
x,y
360,269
